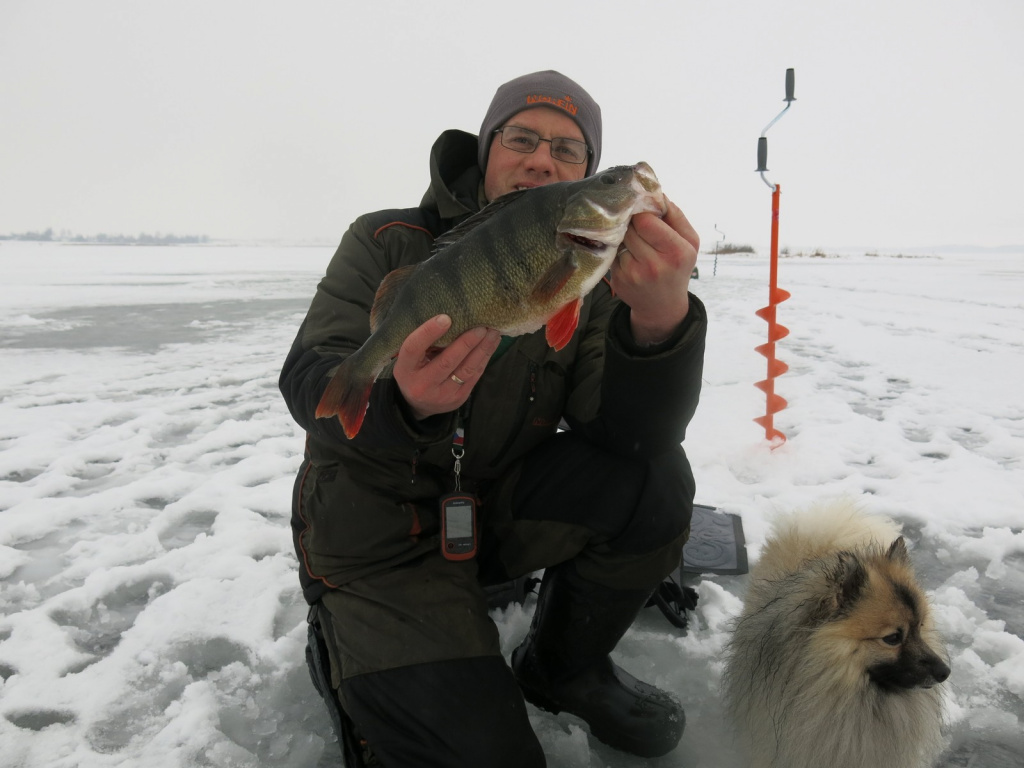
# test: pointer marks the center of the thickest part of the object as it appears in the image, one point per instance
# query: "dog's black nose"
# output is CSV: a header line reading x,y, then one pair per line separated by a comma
x,y
938,669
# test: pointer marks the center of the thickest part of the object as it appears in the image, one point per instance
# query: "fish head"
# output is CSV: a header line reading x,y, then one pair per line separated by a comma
x,y
598,209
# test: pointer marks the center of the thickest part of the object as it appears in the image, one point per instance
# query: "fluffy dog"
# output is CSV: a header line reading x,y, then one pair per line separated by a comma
x,y
834,658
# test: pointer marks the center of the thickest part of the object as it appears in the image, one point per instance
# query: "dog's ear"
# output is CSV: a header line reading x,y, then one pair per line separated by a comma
x,y
846,580
898,552
853,577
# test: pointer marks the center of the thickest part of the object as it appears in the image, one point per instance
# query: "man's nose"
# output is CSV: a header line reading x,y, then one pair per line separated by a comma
x,y
540,159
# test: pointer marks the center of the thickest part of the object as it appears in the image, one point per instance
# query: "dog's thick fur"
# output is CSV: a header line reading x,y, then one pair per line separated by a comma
x,y
834,658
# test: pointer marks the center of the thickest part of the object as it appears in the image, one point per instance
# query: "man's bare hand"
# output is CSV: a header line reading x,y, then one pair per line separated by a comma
x,y
439,381
652,272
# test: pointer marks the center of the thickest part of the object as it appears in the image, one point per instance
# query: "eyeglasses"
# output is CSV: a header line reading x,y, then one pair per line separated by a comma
x,y
526,141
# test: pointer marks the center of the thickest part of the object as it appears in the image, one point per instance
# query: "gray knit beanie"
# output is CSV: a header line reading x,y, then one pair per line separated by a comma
x,y
549,89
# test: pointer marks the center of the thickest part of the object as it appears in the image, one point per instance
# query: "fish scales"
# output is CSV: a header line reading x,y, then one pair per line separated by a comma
x,y
493,288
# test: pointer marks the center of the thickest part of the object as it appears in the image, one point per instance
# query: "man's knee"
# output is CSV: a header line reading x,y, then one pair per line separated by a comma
x,y
664,507
650,546
639,503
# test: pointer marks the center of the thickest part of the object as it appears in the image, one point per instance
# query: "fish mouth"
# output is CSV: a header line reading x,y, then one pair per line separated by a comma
x,y
594,246
644,175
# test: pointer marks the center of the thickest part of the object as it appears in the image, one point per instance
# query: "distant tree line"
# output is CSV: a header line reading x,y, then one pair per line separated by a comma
x,y
735,248
64,236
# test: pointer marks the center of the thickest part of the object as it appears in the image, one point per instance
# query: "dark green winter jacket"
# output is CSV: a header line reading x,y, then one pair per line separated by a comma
x,y
369,503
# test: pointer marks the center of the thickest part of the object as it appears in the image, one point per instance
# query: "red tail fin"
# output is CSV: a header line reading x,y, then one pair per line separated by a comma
x,y
346,398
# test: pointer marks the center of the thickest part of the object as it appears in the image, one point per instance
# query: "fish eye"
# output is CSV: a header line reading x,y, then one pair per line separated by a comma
x,y
607,178
894,639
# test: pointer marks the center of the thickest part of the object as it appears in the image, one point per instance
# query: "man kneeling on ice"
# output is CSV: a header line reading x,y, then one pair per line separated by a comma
x,y
453,475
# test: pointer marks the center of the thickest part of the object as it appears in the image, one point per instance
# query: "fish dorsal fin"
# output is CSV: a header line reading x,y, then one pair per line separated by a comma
x,y
386,293
466,226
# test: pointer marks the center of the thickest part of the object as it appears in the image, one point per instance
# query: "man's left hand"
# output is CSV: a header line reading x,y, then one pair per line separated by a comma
x,y
652,273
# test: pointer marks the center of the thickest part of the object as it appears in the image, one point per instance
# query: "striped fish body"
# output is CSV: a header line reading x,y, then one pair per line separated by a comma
x,y
524,262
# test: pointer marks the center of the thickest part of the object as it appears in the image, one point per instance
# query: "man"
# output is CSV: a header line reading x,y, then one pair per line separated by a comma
x,y
604,506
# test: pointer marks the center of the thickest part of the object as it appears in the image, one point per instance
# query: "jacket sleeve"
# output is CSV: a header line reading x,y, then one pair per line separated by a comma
x,y
638,400
337,324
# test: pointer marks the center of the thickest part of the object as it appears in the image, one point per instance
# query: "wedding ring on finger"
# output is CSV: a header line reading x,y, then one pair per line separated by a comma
x,y
457,380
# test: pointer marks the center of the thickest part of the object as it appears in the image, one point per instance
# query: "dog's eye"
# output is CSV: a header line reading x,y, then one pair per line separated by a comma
x,y
894,639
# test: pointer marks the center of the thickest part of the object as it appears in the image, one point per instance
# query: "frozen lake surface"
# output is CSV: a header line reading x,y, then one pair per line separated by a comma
x,y
149,609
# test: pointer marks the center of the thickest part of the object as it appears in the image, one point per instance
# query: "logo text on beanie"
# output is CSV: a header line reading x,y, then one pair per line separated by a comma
x,y
565,103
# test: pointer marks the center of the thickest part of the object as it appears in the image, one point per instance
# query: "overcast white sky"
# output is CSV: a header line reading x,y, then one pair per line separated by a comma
x,y
272,120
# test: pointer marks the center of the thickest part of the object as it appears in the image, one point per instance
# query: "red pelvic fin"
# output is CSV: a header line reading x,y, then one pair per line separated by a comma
x,y
347,399
562,325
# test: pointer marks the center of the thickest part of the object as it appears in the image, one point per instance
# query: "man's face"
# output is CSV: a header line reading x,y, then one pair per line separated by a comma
x,y
508,170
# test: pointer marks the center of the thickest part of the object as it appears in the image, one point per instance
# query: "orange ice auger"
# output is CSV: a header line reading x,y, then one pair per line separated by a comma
x,y
773,402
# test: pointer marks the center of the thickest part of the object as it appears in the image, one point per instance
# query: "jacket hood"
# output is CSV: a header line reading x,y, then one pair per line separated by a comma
x,y
455,176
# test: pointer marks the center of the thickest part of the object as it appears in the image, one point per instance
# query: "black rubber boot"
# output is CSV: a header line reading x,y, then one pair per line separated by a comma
x,y
563,665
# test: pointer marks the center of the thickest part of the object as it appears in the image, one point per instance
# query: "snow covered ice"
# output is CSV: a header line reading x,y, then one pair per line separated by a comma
x,y
150,613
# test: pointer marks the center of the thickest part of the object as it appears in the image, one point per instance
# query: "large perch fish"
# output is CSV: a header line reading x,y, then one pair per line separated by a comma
x,y
525,261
